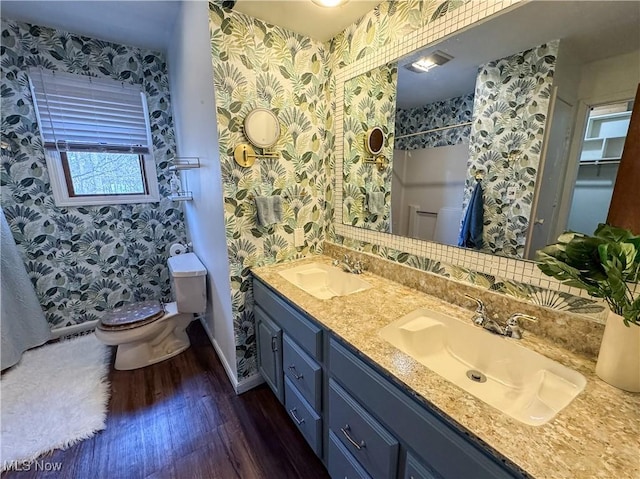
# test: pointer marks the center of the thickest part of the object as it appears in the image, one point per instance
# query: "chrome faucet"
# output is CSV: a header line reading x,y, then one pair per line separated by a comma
x,y
512,329
349,265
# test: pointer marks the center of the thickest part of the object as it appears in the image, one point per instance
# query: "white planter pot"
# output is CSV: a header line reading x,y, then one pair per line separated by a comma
x,y
619,357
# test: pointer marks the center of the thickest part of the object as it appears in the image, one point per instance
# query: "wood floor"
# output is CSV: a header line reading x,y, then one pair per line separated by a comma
x,y
181,419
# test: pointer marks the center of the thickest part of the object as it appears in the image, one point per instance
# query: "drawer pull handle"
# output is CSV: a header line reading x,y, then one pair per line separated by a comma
x,y
274,343
292,368
345,430
295,416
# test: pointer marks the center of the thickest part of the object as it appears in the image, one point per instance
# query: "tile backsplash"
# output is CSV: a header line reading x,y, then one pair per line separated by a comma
x,y
558,325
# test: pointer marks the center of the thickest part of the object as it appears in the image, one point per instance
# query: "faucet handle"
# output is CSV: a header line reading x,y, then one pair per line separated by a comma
x,y
513,319
481,311
513,329
481,308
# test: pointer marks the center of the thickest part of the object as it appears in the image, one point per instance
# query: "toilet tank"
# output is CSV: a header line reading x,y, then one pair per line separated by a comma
x,y
189,282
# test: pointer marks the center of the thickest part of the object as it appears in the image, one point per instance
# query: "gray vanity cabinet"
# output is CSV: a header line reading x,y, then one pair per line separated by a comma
x,y
441,448
269,339
289,354
361,422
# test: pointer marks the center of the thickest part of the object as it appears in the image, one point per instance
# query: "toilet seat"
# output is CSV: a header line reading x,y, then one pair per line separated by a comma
x,y
131,316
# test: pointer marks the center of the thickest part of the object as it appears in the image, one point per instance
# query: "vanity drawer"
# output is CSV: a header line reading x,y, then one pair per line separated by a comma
x,y
413,469
341,463
361,434
446,450
305,374
303,416
305,333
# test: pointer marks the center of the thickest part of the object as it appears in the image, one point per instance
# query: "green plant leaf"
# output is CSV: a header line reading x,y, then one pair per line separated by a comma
x,y
631,313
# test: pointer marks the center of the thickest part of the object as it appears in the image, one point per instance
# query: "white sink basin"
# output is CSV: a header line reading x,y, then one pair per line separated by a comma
x,y
323,281
519,382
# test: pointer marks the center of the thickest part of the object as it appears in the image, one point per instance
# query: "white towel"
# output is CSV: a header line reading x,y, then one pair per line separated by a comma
x,y
269,209
375,202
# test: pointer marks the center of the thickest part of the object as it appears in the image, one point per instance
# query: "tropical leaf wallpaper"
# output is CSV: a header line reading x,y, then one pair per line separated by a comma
x,y
260,65
452,111
369,101
509,117
385,24
83,261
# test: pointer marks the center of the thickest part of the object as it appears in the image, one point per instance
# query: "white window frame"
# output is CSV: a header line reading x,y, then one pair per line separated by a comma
x,y
61,195
57,138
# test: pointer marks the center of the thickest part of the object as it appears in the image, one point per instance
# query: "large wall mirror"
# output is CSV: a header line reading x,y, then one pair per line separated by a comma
x,y
532,104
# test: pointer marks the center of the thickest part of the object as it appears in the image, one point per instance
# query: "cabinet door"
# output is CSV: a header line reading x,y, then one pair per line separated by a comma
x,y
269,337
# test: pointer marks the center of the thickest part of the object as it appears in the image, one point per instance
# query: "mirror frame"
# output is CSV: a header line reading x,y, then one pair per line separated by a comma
x,y
248,126
373,134
451,24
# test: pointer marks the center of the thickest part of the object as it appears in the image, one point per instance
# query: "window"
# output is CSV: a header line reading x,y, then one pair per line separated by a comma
x,y
96,137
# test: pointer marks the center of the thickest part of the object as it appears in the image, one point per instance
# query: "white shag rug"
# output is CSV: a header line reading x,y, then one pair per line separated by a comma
x,y
55,396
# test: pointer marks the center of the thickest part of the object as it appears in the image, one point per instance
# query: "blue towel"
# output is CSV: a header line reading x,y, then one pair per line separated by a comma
x,y
471,231
269,209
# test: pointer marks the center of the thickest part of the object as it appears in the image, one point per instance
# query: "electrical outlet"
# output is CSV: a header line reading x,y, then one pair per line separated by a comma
x,y
511,192
298,237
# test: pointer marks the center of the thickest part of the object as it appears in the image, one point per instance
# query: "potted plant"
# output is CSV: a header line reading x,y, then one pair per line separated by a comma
x,y
605,265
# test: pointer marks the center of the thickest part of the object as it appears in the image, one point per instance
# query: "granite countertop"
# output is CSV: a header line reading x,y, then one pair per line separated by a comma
x,y
596,436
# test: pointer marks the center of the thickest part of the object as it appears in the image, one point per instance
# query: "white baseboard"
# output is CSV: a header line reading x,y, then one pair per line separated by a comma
x,y
249,383
231,372
73,329
239,387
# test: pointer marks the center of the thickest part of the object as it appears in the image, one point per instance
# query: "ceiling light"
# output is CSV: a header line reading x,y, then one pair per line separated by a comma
x,y
429,62
329,3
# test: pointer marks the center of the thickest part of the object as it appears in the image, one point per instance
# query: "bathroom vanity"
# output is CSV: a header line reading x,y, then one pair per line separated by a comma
x,y
369,410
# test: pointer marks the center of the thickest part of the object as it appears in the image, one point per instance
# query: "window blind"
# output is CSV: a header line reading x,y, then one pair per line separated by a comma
x,y
83,113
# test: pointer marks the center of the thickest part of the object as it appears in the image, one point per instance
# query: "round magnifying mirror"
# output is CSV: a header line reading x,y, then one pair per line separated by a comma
x,y
375,140
262,128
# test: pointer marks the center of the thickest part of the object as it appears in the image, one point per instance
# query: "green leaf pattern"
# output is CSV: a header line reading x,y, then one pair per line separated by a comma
x,y
260,65
509,113
83,261
369,101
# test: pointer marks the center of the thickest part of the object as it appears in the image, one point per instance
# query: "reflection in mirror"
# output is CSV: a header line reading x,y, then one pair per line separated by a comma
x,y
369,102
375,140
515,103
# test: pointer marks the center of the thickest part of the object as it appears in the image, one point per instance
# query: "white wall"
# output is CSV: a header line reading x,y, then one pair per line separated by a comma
x,y
192,97
604,81
610,78
431,178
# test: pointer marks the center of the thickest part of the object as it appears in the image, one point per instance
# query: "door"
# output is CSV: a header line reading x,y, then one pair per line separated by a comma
x,y
269,338
551,180
624,210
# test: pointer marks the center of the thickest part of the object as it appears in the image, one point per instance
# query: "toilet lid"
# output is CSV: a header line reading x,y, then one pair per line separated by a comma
x,y
132,315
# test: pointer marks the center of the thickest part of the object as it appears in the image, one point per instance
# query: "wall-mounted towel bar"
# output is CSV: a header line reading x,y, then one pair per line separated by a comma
x,y
251,196
424,132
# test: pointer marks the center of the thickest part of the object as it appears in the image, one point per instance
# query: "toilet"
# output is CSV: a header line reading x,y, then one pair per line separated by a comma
x,y
148,332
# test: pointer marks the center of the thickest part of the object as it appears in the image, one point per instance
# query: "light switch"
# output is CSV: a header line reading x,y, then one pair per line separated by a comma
x,y
511,192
